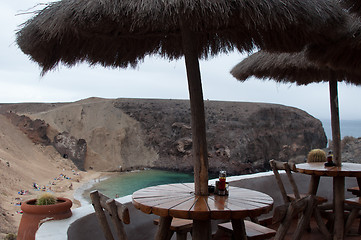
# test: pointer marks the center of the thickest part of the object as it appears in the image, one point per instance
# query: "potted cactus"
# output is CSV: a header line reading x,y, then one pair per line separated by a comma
x,y
36,211
46,199
316,155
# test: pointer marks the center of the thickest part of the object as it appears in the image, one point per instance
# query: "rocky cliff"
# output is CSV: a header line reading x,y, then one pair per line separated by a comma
x,y
123,134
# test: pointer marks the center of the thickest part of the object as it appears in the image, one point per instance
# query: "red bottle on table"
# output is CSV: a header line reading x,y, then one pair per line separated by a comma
x,y
222,183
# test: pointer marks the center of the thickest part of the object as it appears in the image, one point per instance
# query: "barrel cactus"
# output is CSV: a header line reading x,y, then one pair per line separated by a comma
x,y
316,155
46,199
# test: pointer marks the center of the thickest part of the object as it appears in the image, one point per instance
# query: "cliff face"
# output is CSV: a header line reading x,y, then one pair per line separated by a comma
x,y
132,133
241,137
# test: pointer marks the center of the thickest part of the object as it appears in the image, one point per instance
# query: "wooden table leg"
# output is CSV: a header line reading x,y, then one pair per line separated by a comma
x,y
239,230
315,180
314,183
338,201
163,228
201,230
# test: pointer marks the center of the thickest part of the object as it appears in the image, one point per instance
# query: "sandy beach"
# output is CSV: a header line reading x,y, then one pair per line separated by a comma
x,y
63,184
27,170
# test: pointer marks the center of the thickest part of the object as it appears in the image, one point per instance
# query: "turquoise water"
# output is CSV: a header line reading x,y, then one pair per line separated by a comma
x,y
128,182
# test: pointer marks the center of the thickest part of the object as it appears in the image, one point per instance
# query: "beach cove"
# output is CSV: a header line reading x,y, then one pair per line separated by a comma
x,y
27,170
125,183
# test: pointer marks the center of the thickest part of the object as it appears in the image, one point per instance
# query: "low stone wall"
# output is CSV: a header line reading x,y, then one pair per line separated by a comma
x,y
141,226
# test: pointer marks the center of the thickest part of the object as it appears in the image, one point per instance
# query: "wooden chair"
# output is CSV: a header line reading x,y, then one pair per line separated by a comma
x,y
118,212
288,168
355,191
355,204
295,204
179,226
254,231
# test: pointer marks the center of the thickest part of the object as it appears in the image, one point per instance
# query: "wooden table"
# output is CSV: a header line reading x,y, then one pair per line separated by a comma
x,y
317,170
179,200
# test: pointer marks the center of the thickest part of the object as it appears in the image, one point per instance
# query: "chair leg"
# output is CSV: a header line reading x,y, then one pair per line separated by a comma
x,y
181,235
163,228
293,208
305,219
321,225
254,219
170,234
351,218
239,229
283,228
329,224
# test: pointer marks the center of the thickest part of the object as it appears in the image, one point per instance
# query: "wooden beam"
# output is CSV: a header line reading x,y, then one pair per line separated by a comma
x,y
239,229
163,228
314,182
202,229
119,227
200,154
335,122
96,201
338,201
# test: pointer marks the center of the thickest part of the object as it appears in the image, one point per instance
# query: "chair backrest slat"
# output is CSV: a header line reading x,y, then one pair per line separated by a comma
x,y
116,221
275,167
118,212
96,201
292,180
288,168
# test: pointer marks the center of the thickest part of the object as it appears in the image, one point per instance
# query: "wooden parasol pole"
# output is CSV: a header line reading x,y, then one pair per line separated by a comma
x,y
201,228
335,122
338,182
200,154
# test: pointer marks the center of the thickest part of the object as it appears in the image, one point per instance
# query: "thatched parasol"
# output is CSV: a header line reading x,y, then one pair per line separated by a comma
x,y
296,68
353,6
343,54
120,33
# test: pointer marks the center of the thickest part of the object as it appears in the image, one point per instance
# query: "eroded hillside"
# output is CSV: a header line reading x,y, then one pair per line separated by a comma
x,y
121,134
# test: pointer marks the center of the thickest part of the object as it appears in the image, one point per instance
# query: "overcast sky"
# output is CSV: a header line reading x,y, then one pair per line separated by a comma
x,y
20,79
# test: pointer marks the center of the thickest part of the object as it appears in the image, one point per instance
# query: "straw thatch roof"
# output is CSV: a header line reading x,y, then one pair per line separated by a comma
x,y
353,6
296,68
289,67
343,54
119,33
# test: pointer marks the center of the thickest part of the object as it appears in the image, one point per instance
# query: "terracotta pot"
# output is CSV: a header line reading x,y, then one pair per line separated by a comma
x,y
33,215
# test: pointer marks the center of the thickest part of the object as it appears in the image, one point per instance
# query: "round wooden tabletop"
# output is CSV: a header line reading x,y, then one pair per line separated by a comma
x,y
319,169
179,200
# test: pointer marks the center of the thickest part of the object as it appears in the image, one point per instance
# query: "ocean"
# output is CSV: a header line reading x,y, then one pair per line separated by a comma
x,y
350,128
